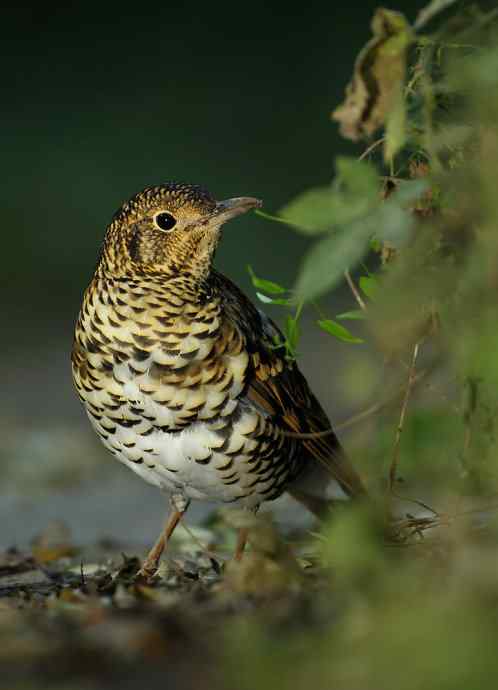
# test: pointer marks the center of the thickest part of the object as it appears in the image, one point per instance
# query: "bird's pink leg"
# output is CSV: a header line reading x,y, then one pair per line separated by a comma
x,y
151,563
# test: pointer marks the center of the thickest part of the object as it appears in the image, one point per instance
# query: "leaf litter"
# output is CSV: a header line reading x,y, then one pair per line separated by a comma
x,y
82,613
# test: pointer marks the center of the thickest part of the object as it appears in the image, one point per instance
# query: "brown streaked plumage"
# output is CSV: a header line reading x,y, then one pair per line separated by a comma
x,y
179,373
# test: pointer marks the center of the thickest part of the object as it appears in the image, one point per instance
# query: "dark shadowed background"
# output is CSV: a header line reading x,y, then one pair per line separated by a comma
x,y
97,103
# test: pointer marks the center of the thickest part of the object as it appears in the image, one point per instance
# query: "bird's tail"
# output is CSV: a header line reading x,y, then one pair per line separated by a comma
x,y
320,485
320,491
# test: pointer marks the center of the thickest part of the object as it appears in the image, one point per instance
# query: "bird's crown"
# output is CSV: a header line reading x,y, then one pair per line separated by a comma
x,y
171,228
184,199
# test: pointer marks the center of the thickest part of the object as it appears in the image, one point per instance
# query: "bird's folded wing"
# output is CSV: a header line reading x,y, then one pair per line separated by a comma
x,y
283,393
276,386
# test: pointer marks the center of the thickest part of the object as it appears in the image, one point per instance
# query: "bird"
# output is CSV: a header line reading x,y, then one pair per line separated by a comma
x,y
185,381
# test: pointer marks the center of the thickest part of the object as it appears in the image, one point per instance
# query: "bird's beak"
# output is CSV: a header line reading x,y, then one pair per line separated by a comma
x,y
230,208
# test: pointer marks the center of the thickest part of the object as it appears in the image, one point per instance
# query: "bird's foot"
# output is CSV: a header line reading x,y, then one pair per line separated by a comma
x,y
151,564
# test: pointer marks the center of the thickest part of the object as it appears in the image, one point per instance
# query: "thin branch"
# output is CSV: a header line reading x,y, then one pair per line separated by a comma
x,y
205,550
397,441
354,290
366,413
431,10
308,435
435,388
377,407
371,148
356,418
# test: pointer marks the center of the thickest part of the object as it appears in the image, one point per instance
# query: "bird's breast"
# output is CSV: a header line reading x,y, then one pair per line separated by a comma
x,y
163,382
148,356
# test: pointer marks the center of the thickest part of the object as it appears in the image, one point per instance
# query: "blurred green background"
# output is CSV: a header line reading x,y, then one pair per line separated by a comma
x,y
100,101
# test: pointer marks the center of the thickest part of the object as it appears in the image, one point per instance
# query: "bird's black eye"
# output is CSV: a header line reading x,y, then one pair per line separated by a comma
x,y
165,221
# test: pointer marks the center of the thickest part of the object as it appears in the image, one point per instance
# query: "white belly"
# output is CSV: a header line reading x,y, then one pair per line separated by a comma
x,y
187,461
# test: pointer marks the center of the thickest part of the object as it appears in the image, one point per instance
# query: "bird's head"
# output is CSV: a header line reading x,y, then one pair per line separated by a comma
x,y
172,229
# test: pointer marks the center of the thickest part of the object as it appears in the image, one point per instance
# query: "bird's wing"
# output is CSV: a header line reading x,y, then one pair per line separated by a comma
x,y
277,387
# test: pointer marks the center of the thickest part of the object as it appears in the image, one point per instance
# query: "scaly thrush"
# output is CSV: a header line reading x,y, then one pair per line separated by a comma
x,y
180,375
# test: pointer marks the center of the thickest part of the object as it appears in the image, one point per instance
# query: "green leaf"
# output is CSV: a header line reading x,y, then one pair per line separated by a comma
x,y
408,191
355,315
338,331
311,211
292,333
394,223
283,301
266,285
369,286
375,245
272,217
354,192
358,178
325,263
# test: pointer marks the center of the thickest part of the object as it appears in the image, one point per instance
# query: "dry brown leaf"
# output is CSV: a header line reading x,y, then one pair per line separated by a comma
x,y
53,543
260,576
53,553
378,77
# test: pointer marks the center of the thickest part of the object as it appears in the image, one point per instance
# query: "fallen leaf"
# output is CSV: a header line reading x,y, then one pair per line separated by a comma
x,y
53,543
53,553
258,576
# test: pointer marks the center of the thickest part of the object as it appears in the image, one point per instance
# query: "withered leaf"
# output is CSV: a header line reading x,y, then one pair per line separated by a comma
x,y
53,543
378,77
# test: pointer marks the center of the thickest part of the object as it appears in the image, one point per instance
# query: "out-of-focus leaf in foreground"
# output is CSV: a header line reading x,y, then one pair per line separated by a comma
x,y
352,193
324,265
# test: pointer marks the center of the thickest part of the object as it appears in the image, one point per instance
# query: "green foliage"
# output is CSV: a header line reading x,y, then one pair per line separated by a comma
x,y
353,315
422,205
338,331
352,194
292,333
369,285
292,329
266,285
343,248
429,306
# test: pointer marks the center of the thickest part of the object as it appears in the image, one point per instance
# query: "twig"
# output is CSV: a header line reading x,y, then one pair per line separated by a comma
x,y
308,435
397,440
418,525
377,407
430,11
354,290
371,148
358,417
196,540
